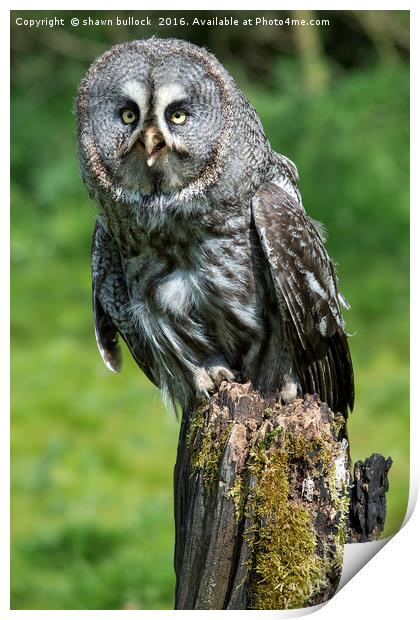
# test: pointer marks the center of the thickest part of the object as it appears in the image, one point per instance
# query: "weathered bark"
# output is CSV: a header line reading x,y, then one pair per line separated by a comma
x,y
368,501
262,502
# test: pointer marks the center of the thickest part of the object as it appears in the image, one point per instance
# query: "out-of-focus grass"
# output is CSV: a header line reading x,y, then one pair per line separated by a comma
x,y
93,453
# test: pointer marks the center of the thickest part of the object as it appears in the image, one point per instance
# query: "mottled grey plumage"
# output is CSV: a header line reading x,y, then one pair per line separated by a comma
x,y
204,260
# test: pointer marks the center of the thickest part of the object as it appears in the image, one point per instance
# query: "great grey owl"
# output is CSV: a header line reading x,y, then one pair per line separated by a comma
x,y
203,258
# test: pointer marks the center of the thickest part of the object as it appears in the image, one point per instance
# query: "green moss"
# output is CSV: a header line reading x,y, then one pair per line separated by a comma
x,y
269,436
196,424
289,565
284,560
267,413
239,492
340,499
286,570
337,423
206,447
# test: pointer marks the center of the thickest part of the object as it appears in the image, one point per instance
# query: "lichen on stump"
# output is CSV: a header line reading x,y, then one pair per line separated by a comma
x,y
261,503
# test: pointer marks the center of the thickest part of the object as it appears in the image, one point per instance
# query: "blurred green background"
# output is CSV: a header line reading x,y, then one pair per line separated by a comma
x,y
93,453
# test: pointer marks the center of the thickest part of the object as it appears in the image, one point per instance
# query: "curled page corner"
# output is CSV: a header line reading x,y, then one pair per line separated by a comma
x,y
356,555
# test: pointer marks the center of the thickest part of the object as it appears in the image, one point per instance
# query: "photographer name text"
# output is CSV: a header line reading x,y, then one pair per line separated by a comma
x,y
169,21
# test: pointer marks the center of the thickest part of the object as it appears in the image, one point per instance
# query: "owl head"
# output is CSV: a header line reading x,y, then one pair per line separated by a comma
x,y
164,116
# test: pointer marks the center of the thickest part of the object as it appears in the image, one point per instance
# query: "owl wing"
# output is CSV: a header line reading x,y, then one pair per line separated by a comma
x,y
111,305
306,288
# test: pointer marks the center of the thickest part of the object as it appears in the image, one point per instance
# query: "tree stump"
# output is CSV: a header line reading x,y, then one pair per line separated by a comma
x,y
368,501
262,502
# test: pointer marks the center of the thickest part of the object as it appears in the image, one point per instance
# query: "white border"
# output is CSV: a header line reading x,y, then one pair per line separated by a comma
x,y
387,585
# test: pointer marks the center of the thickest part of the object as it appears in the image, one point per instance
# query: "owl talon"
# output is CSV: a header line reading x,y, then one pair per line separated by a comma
x,y
288,392
207,380
221,373
204,384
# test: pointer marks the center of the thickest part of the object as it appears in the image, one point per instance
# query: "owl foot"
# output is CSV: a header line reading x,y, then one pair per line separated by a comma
x,y
207,380
204,384
288,392
221,373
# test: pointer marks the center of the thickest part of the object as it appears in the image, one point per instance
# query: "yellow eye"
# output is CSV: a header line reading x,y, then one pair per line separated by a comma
x,y
128,116
178,117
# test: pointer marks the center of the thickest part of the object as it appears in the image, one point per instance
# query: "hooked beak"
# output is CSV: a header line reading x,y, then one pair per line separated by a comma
x,y
153,143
